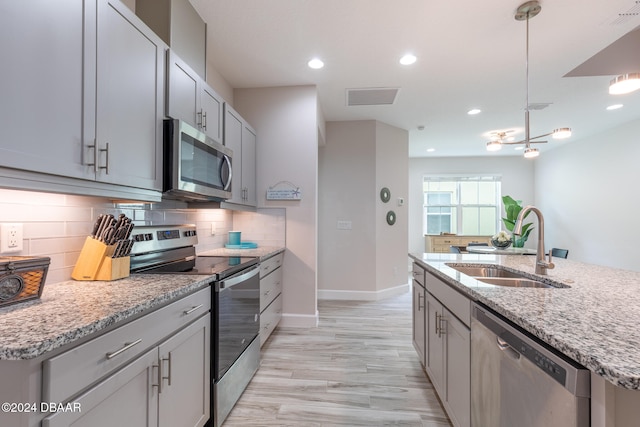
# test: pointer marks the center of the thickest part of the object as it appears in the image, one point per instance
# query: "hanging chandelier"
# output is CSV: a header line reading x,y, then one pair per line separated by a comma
x,y
525,12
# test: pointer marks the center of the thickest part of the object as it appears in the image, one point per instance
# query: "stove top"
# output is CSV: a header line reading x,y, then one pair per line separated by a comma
x,y
220,267
170,249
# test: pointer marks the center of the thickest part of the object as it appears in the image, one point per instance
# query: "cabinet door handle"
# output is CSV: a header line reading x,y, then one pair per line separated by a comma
x,y
159,377
204,120
126,347
441,329
168,377
199,114
437,324
187,312
420,300
106,163
94,146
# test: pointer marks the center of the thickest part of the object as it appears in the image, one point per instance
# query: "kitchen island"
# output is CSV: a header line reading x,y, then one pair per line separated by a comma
x,y
594,320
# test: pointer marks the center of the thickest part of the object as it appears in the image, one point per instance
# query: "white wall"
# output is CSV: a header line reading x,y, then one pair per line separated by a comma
x,y
286,121
367,261
588,192
347,185
517,181
392,162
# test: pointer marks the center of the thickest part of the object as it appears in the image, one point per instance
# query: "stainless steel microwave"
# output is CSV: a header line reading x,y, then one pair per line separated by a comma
x,y
195,166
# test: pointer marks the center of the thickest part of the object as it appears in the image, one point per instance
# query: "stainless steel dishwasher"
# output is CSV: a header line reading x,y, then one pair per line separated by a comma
x,y
516,380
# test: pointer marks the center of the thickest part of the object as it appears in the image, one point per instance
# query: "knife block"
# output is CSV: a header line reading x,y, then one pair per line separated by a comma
x,y
95,262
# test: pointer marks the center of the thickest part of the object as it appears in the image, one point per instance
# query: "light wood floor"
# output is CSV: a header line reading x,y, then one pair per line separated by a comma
x,y
358,368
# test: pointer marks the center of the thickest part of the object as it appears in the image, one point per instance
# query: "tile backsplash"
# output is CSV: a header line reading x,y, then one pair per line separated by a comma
x,y
56,225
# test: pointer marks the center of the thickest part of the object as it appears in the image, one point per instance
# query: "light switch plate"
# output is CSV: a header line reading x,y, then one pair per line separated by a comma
x,y
10,238
344,225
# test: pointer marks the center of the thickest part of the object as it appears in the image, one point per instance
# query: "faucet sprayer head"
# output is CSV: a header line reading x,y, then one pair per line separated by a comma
x,y
517,227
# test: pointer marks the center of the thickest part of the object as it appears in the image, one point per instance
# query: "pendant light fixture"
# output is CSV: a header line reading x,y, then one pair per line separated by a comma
x,y
525,12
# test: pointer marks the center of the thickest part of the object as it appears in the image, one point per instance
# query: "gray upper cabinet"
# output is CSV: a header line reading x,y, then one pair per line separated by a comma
x,y
241,138
41,87
189,98
82,93
129,99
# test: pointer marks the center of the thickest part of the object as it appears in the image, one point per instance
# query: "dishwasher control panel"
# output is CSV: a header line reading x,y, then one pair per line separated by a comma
x,y
556,371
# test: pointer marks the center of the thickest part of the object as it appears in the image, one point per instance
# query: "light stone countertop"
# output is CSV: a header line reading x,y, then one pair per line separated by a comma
x,y
263,252
68,311
596,321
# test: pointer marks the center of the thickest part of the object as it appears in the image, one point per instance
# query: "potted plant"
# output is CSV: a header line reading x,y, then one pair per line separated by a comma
x,y
513,207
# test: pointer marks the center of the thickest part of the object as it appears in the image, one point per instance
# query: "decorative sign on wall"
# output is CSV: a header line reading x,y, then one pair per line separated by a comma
x,y
284,190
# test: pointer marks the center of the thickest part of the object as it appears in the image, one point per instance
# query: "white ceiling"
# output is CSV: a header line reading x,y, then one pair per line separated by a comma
x,y
471,54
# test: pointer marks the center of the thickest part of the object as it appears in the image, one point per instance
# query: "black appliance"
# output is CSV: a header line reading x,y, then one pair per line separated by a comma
x,y
195,166
235,306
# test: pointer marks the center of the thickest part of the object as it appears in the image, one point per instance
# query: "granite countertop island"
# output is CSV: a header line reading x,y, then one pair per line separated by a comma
x,y
595,320
71,310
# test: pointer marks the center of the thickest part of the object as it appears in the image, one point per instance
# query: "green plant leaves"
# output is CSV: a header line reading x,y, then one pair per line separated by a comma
x,y
512,208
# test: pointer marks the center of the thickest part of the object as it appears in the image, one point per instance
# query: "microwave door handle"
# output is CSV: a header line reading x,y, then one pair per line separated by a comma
x,y
227,184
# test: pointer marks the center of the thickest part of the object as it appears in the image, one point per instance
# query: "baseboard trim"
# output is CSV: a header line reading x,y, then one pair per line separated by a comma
x,y
362,295
299,320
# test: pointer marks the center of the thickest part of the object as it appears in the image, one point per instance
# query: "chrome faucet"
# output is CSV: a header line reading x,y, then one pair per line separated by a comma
x,y
542,265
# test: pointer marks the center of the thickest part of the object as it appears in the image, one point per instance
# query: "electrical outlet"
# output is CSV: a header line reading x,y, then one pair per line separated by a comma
x,y
10,238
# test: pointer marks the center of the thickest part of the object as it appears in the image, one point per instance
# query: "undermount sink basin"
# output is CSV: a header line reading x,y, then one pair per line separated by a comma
x,y
513,282
486,272
496,275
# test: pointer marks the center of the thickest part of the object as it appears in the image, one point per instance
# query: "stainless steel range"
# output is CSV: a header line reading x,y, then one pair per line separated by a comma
x,y
235,306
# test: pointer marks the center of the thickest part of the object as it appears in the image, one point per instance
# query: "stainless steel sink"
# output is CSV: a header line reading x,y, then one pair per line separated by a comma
x,y
497,275
486,272
513,282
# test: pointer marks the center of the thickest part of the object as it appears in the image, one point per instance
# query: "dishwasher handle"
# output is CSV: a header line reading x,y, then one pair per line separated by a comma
x,y
507,349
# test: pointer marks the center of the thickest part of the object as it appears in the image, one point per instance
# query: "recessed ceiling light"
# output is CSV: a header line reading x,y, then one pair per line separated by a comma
x,y
315,63
614,106
430,150
474,112
408,59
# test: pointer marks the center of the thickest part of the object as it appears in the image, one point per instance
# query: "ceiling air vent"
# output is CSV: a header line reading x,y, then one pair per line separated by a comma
x,y
372,96
625,16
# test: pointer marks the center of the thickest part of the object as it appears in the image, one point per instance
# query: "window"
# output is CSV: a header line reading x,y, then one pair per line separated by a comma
x,y
465,205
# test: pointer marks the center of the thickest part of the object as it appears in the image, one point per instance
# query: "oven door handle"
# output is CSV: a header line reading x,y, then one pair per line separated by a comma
x,y
232,281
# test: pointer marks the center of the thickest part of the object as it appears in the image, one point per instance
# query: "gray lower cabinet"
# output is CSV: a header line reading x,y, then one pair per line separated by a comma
x,y
241,138
270,295
126,398
153,371
97,115
185,376
418,313
148,391
448,347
